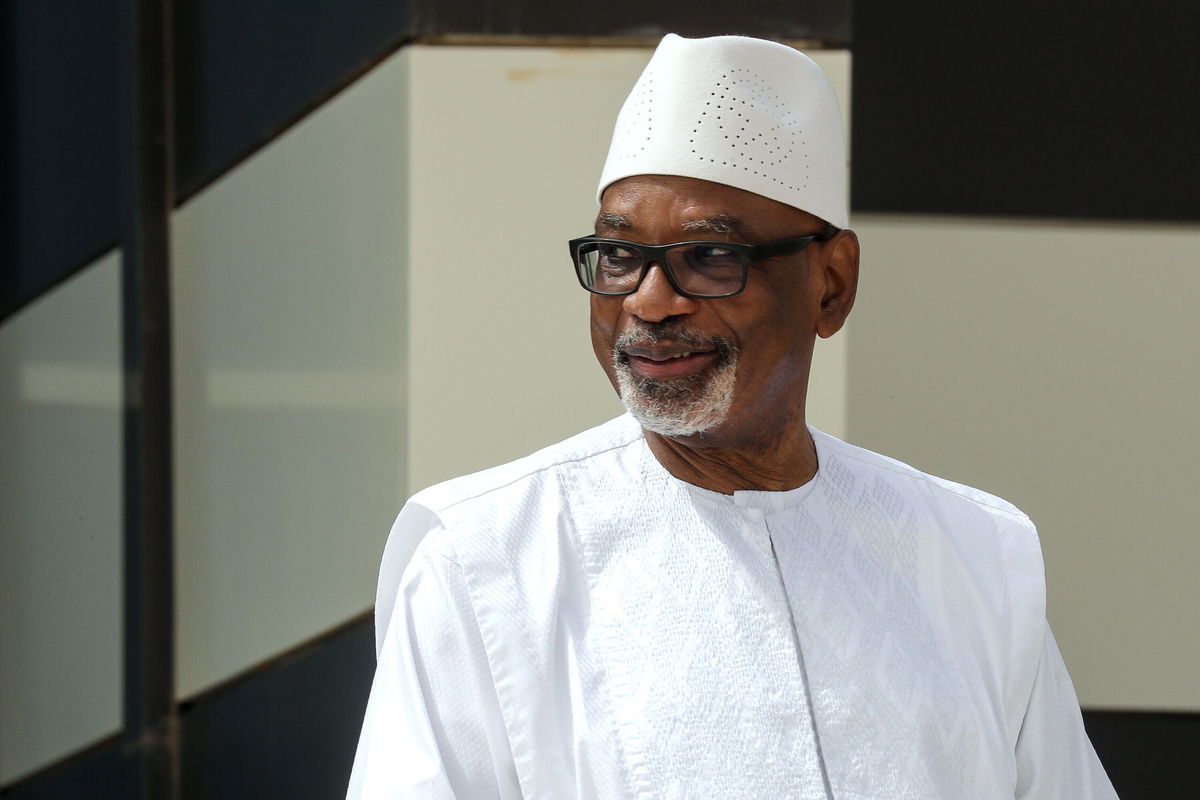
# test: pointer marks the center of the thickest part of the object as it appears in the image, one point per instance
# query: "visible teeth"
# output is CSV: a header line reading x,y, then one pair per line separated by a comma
x,y
682,355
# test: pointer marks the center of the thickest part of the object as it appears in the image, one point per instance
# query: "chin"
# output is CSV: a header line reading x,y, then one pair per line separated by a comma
x,y
690,407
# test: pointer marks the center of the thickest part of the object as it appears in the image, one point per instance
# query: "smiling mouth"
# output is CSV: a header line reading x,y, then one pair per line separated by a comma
x,y
669,352
668,358
664,364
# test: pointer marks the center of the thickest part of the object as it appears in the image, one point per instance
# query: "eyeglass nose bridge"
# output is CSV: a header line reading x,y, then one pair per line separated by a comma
x,y
657,254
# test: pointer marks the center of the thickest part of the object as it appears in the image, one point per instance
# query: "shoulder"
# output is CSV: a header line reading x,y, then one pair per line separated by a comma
x,y
937,490
493,503
988,540
444,523
975,543
480,488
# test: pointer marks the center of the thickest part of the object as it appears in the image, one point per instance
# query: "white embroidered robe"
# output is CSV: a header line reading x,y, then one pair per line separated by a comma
x,y
581,624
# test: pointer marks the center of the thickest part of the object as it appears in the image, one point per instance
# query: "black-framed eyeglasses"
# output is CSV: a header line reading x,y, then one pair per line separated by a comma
x,y
617,267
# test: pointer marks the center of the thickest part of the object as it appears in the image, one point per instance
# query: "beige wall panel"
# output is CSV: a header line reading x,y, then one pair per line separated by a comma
x,y
1059,367
60,521
506,148
290,321
827,384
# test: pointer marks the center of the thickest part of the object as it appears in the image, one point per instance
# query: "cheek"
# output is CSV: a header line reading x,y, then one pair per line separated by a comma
x,y
603,330
775,339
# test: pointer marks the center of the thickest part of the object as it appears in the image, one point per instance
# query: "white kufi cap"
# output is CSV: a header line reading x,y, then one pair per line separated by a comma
x,y
744,112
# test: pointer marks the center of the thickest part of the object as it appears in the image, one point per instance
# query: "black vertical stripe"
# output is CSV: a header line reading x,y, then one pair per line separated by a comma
x,y
150,735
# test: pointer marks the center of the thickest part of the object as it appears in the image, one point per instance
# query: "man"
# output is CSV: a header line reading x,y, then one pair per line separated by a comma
x,y
706,598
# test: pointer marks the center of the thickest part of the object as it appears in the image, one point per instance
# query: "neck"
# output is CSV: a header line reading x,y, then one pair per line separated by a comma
x,y
772,464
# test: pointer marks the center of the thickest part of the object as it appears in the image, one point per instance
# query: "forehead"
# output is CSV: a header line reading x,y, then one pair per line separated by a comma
x,y
668,204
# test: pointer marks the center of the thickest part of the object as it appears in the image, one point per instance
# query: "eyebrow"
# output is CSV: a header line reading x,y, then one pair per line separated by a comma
x,y
721,224
607,219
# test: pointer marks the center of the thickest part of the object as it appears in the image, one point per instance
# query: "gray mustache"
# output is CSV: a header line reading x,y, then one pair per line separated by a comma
x,y
648,334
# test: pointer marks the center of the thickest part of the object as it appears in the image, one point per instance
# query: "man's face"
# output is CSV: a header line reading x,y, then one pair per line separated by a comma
x,y
731,370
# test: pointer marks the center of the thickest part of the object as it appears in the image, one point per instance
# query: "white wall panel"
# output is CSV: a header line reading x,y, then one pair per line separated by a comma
x,y
290,318
506,149
60,521
1057,365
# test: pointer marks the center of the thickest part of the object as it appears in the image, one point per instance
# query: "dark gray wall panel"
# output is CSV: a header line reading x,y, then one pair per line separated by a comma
x,y
100,773
8,157
1147,754
62,163
1027,108
245,71
288,730
826,20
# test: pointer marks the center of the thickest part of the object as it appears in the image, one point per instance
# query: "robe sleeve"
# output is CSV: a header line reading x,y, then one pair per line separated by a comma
x,y
1055,758
433,727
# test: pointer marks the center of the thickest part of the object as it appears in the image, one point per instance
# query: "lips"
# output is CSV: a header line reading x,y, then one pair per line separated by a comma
x,y
662,361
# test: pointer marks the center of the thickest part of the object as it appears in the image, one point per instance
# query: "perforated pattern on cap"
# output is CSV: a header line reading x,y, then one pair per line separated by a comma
x,y
641,110
752,140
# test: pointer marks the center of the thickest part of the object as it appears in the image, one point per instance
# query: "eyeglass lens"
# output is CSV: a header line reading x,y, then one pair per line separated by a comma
x,y
702,269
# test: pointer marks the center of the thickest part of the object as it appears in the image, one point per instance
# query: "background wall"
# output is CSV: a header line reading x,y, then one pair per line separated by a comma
x,y
289,289
1030,240
1054,364
60,513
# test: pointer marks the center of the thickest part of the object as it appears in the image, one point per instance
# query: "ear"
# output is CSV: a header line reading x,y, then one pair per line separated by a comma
x,y
840,266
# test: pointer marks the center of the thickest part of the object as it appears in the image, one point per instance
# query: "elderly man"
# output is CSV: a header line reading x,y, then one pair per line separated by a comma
x,y
706,598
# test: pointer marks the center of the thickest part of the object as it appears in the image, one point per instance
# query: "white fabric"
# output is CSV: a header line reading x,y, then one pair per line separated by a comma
x,y
580,624
745,112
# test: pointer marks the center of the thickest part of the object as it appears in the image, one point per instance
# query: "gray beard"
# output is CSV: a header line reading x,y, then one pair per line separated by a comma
x,y
683,407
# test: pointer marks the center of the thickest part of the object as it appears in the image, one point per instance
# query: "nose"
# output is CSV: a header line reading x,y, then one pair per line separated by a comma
x,y
656,299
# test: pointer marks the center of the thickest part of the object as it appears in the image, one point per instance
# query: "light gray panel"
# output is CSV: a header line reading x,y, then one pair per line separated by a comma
x,y
289,341
1057,366
60,521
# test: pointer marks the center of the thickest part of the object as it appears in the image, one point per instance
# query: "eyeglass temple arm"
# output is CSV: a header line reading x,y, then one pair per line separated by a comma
x,y
771,249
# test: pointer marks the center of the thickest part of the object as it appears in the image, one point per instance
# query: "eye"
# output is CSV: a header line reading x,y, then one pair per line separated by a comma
x,y
708,253
715,261
616,252
618,260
